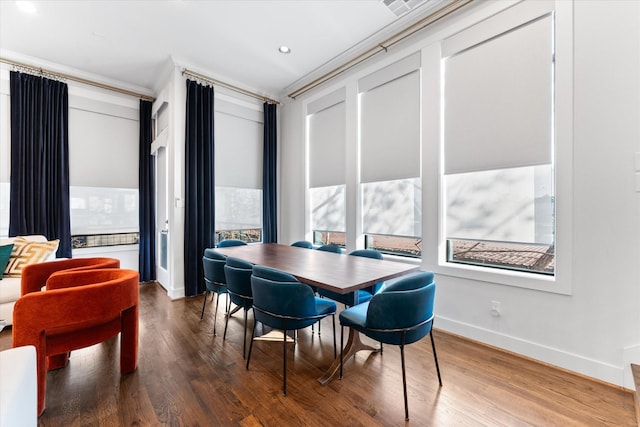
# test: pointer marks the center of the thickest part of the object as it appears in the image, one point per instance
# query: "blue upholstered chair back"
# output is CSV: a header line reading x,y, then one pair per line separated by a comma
x,y
213,264
330,248
303,244
369,253
231,242
212,253
363,295
238,273
405,304
281,294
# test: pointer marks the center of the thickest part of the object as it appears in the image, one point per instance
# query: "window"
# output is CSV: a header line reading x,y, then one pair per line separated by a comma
x,y
330,238
238,214
103,168
392,216
395,245
238,172
502,218
390,173
499,191
103,210
328,208
326,135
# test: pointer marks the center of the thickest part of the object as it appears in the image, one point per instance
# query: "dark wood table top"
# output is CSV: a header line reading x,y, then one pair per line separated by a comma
x,y
335,272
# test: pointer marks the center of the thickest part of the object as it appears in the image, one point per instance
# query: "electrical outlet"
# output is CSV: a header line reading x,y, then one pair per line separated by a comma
x,y
496,308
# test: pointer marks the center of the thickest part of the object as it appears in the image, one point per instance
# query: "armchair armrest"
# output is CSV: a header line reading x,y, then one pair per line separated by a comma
x,y
81,277
35,276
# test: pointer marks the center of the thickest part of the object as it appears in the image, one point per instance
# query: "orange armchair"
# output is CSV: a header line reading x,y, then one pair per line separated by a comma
x,y
35,276
79,308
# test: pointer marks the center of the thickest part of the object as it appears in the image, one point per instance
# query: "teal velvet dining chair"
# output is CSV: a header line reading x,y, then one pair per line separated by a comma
x,y
400,314
238,274
326,248
281,302
330,248
363,295
230,242
303,244
213,263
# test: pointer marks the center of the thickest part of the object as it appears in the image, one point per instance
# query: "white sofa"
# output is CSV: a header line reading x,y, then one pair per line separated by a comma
x,y
18,387
10,286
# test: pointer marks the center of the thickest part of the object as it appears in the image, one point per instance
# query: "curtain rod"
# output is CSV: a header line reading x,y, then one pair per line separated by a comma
x,y
383,46
186,72
54,74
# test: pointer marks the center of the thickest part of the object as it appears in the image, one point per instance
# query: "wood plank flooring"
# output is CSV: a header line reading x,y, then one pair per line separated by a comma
x,y
188,377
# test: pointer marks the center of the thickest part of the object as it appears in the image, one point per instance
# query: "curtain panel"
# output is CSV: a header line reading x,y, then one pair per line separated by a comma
x,y
199,232
269,205
39,180
146,185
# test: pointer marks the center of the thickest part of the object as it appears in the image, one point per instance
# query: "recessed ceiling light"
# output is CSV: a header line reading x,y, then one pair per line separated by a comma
x,y
26,7
284,49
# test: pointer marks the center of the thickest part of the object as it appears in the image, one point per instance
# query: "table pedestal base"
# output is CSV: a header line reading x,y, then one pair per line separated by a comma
x,y
354,345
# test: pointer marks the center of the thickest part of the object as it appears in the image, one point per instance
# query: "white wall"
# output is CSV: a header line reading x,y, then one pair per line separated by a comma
x,y
594,326
173,92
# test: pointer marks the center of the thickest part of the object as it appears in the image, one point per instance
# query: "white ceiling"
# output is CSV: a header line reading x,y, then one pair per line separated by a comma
x,y
236,41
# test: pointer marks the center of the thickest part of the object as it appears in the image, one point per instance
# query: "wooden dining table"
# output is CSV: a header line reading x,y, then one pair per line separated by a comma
x,y
335,272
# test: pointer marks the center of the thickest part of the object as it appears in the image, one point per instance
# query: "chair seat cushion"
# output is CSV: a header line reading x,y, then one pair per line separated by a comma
x,y
355,317
346,299
324,306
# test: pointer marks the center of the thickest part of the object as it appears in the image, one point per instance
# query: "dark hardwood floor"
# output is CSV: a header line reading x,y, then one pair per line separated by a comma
x,y
187,377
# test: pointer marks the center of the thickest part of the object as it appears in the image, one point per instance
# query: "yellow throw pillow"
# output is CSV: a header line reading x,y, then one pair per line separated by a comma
x,y
26,252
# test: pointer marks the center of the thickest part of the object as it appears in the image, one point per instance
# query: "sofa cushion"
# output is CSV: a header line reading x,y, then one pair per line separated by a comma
x,y
27,252
10,290
5,254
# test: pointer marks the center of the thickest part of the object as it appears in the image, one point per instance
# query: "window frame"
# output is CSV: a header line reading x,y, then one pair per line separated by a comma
x,y
433,176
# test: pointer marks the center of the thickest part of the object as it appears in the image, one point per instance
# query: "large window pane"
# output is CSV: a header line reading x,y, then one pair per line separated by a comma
x,y
328,210
511,205
394,245
392,207
390,167
502,218
238,172
330,238
238,208
499,142
103,210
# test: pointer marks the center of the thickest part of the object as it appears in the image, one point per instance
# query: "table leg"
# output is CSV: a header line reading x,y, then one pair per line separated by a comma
x,y
354,345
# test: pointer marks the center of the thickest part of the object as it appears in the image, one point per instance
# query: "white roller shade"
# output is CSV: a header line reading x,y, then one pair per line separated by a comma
x,y
103,149
327,137
239,147
498,101
390,129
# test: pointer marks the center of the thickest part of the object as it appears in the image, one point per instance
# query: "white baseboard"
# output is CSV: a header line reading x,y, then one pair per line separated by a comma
x,y
175,293
630,355
553,356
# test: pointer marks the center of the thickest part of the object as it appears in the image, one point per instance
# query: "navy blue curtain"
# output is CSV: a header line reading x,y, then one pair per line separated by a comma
x,y
146,188
269,204
199,224
40,159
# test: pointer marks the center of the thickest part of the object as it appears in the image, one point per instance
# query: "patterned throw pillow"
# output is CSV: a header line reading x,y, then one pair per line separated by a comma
x,y
5,254
26,252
